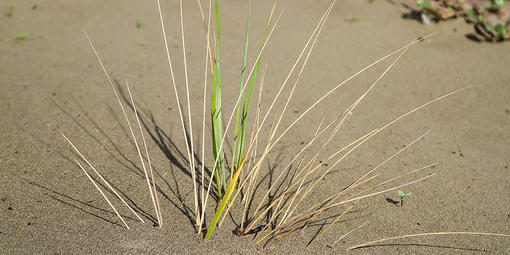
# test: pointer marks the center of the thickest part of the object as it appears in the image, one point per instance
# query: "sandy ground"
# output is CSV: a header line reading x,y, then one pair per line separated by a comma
x,y
53,84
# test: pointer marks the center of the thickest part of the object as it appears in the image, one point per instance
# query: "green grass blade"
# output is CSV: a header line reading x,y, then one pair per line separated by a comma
x,y
238,111
228,192
216,119
238,151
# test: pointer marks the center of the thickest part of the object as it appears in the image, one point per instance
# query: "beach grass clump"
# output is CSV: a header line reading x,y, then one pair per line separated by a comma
x,y
284,206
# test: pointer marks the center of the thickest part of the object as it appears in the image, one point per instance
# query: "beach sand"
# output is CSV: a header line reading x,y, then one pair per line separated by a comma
x,y
52,84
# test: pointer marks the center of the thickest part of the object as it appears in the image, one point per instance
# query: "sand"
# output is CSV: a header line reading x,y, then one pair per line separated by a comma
x,y
52,84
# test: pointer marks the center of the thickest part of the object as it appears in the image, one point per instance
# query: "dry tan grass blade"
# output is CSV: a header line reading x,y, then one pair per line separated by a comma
x,y
190,126
104,180
202,190
269,147
393,179
333,222
348,233
104,196
305,216
190,157
154,194
349,110
427,234
310,216
127,120
258,217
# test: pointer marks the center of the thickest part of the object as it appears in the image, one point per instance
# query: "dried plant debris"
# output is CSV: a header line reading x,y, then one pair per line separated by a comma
x,y
491,18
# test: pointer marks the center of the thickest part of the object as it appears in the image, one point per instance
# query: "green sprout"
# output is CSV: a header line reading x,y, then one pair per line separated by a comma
x,y
354,18
10,10
143,43
139,24
35,5
23,36
403,195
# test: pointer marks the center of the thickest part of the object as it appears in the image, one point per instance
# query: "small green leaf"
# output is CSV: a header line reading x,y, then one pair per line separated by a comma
x,y
471,13
477,18
500,30
480,17
489,25
21,36
423,3
504,33
402,195
354,17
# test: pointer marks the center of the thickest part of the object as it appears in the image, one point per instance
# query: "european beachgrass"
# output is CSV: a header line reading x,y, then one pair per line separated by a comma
x,y
284,207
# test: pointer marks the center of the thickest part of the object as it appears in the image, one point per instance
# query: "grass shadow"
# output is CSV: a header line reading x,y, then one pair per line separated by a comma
x,y
77,202
423,245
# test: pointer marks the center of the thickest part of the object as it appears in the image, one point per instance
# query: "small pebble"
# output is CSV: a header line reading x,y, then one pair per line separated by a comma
x,y
425,19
